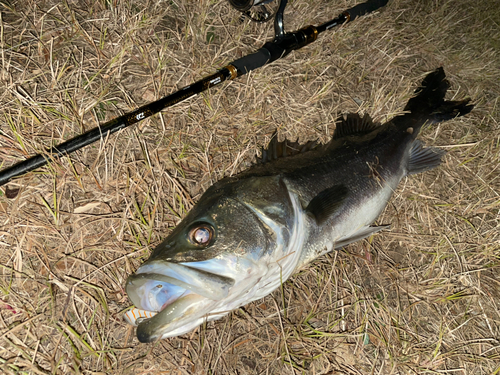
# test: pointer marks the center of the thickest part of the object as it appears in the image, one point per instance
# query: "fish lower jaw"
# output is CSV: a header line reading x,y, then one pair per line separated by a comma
x,y
189,326
188,323
137,315
181,316
178,327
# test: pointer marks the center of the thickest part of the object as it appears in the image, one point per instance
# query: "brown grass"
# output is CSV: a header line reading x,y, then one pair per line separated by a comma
x,y
423,298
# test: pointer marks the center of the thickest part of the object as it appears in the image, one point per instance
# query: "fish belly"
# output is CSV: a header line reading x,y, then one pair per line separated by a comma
x,y
349,225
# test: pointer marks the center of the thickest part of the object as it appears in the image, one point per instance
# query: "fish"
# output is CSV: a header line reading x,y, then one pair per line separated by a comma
x,y
248,233
134,316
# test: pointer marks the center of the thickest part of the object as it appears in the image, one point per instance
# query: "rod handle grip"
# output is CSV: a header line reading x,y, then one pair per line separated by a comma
x,y
251,62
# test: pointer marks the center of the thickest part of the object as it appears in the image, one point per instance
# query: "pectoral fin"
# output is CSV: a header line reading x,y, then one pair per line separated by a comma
x,y
327,203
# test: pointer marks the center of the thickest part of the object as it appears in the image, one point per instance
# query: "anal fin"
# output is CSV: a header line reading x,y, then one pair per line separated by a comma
x,y
359,235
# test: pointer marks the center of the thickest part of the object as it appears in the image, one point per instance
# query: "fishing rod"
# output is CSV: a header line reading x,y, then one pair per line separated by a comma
x,y
282,44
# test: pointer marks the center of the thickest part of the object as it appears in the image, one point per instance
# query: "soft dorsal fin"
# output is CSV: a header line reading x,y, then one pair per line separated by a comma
x,y
276,149
327,203
354,124
423,158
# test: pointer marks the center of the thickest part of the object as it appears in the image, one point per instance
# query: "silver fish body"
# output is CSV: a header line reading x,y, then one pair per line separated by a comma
x,y
248,233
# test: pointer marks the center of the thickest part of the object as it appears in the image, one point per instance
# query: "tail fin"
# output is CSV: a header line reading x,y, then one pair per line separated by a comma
x,y
429,102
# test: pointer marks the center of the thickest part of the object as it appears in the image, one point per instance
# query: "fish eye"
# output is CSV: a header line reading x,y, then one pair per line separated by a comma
x,y
201,234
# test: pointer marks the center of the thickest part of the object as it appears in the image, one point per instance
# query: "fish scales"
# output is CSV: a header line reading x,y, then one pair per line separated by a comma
x,y
248,233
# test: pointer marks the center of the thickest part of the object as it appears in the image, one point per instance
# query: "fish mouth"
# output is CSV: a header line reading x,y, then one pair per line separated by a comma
x,y
176,291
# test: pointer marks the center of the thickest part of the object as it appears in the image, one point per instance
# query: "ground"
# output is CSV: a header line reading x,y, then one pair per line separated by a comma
x,y
420,298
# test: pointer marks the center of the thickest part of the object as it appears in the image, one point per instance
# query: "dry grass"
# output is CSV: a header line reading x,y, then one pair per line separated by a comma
x,y
423,298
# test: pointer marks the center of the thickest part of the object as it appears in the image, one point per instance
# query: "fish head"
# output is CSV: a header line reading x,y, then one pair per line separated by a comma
x,y
210,262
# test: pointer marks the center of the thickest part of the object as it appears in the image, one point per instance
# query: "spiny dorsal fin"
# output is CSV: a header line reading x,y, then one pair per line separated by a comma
x,y
276,149
423,158
327,202
354,124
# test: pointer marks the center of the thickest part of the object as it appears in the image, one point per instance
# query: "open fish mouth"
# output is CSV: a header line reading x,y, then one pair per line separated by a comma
x,y
170,295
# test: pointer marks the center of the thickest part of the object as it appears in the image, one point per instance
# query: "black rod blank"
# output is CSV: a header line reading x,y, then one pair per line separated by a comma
x,y
271,51
119,123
